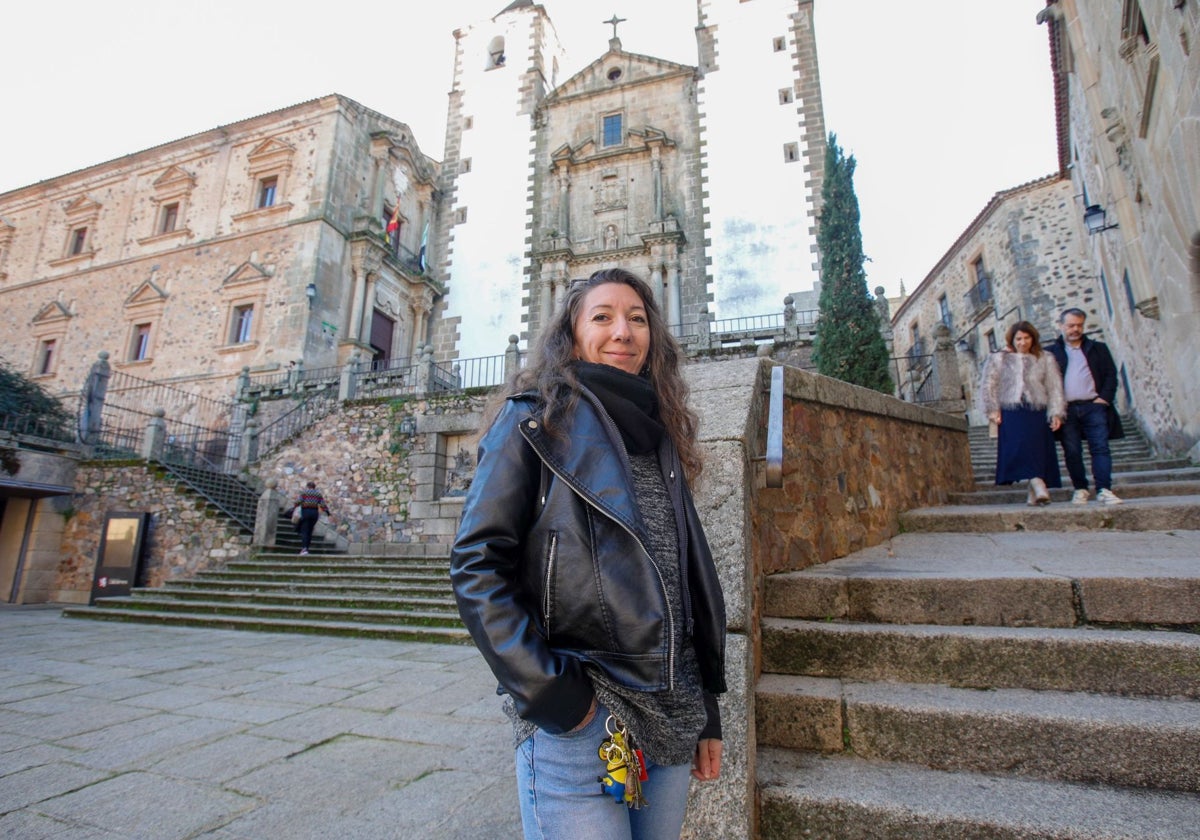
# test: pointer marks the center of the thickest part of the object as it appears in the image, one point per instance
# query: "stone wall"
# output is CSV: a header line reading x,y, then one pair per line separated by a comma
x,y
184,537
371,471
853,461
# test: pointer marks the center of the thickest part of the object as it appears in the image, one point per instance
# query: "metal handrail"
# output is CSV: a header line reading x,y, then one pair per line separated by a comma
x,y
316,406
775,430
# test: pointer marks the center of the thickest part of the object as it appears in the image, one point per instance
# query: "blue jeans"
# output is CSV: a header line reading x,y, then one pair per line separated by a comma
x,y
1087,421
561,797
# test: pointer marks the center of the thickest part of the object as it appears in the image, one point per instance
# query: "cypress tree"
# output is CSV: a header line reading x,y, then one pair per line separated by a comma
x,y
848,343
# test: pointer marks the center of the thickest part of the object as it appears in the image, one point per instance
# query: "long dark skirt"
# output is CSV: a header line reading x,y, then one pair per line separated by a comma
x,y
1025,448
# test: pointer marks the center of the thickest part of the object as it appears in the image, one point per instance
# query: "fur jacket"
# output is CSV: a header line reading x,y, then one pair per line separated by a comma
x,y
1010,379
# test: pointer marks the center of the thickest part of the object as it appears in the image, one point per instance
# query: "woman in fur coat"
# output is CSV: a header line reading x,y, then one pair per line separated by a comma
x,y
1022,392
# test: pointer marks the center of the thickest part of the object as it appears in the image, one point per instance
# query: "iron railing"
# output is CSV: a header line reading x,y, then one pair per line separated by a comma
x,y
979,296
314,407
37,426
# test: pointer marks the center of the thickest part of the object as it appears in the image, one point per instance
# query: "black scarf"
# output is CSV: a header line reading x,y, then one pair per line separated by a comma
x,y
629,400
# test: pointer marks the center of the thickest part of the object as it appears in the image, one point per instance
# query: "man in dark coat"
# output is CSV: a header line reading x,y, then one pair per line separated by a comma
x,y
1090,385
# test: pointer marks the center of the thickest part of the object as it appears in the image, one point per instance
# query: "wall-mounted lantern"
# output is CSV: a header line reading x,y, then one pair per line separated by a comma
x,y
1096,219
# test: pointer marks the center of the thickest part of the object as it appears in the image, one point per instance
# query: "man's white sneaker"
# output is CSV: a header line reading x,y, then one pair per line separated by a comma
x,y
1080,497
1108,497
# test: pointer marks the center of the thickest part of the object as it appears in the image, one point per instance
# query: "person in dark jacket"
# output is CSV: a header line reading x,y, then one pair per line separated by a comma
x,y
1090,387
311,503
584,576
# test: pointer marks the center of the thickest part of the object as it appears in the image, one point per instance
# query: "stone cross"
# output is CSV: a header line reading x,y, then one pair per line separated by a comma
x,y
614,20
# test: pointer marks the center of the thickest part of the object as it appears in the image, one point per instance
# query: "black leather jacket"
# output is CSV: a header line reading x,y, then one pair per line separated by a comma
x,y
551,570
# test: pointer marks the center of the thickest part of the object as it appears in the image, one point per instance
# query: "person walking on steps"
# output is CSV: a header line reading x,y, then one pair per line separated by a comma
x,y
1022,393
1090,385
310,503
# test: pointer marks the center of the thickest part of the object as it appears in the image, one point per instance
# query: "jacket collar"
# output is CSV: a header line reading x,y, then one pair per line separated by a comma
x,y
590,457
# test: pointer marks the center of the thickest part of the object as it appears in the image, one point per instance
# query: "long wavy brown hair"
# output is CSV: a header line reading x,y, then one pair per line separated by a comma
x,y
548,369
1030,330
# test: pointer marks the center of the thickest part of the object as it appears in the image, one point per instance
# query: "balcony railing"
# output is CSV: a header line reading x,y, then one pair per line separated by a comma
x,y
979,296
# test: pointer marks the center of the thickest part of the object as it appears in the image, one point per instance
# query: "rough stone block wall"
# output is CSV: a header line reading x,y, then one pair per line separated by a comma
x,y
184,537
368,470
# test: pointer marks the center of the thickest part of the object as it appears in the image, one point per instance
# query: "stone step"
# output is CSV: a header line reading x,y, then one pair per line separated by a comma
x,y
991,494
1149,663
1019,579
847,798
331,576
295,614
1161,513
348,600
396,632
1067,736
316,587
339,565
985,471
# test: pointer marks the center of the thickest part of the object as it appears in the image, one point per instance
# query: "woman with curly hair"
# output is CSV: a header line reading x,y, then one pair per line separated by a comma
x,y
585,578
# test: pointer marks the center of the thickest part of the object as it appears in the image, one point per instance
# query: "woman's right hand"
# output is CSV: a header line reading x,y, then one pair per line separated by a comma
x,y
994,417
591,713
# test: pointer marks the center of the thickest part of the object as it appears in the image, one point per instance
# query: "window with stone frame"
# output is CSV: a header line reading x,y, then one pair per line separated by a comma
x,y
495,55
944,311
168,217
991,341
785,96
612,130
779,44
241,323
78,242
791,152
139,345
47,357
267,188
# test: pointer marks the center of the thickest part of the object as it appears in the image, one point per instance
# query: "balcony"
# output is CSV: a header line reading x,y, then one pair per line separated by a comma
x,y
979,297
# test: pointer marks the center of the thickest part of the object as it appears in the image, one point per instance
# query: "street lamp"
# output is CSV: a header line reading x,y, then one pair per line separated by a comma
x,y
1096,219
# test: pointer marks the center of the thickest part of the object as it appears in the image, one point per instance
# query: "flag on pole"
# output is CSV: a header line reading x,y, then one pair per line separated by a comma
x,y
424,244
394,223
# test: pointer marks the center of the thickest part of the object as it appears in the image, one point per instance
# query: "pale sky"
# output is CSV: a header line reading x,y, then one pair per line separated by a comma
x,y
942,104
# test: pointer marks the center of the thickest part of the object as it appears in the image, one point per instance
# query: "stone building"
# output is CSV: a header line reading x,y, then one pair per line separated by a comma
x,y
256,244
1022,258
633,161
1127,84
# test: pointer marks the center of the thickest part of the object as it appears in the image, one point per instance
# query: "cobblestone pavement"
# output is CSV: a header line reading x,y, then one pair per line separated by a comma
x,y
111,730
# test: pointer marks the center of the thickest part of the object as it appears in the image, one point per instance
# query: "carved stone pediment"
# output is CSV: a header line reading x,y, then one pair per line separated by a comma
x,y
174,180
52,313
271,153
82,209
616,68
148,294
247,272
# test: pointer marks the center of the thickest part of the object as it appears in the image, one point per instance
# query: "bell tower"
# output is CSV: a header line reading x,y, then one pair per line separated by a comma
x,y
504,66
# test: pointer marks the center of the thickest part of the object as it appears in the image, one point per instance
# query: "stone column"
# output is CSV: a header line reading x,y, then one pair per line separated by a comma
x,y
267,514
156,436
249,452
564,204
674,294
348,384
656,178
512,357
656,284
546,299
354,325
368,306
945,366
94,391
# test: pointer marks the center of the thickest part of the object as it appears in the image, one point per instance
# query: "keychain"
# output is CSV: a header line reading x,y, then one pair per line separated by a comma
x,y
626,769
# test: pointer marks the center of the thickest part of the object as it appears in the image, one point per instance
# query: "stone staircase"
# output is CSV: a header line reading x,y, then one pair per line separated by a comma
x,y
394,596
995,671
367,596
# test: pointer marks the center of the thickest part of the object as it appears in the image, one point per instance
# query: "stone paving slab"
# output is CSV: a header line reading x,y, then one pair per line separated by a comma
x,y
113,731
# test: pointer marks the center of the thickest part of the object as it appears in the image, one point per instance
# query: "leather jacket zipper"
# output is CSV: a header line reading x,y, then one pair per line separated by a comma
x,y
549,580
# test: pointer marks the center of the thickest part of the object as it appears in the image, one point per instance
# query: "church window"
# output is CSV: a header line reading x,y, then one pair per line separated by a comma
x,y
612,130
791,152
780,44
78,241
785,96
242,324
465,166
468,123
169,217
47,357
266,192
139,349
460,215
614,74
495,57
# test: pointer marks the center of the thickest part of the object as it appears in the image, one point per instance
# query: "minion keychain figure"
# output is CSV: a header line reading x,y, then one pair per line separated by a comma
x,y
625,767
